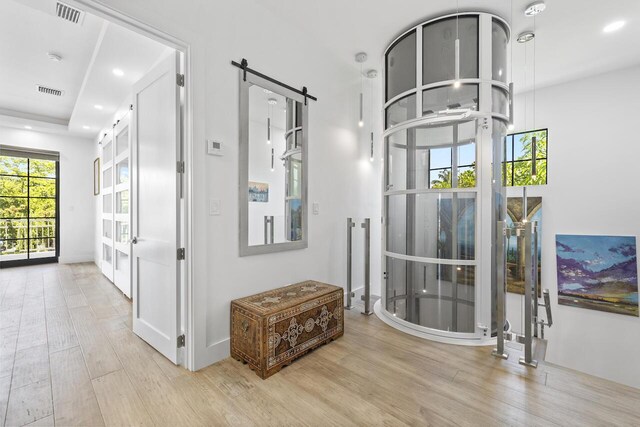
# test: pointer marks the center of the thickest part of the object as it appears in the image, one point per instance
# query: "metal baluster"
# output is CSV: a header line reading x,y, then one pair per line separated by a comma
x,y
272,223
367,266
529,288
501,237
350,294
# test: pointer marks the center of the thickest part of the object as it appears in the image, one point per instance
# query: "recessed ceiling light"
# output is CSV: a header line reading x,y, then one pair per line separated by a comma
x,y
535,8
28,127
118,72
54,57
614,26
98,107
86,127
526,37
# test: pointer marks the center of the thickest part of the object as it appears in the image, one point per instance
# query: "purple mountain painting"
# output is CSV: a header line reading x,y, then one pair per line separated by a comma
x,y
598,273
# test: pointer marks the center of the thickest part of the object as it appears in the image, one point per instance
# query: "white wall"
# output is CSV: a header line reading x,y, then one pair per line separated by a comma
x,y
341,177
592,179
76,188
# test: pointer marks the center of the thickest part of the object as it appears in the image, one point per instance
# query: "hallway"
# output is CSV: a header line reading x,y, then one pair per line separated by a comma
x,y
69,357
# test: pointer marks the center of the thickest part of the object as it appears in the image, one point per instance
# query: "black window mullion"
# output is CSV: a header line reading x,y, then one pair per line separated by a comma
x,y
28,209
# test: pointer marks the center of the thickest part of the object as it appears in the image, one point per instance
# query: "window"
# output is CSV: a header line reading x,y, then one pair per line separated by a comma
x,y
441,166
518,166
28,207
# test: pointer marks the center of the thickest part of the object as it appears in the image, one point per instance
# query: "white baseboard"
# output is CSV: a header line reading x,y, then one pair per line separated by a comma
x,y
214,353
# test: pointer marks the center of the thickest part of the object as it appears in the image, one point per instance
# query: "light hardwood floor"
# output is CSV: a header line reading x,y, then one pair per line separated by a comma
x,y
68,356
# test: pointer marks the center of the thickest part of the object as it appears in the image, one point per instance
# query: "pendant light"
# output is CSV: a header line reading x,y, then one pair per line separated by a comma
x,y
371,151
272,158
534,139
270,102
456,83
361,58
371,74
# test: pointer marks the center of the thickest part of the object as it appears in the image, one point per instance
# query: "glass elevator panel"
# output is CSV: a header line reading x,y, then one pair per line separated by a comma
x,y
401,66
430,219
438,59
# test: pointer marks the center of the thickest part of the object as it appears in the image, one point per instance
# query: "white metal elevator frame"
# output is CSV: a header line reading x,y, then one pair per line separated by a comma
x,y
485,119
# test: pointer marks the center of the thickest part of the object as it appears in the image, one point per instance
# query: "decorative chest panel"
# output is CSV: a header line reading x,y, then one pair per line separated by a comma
x,y
271,329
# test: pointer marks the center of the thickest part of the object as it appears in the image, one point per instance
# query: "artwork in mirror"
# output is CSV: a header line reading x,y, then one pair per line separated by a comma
x,y
272,168
258,192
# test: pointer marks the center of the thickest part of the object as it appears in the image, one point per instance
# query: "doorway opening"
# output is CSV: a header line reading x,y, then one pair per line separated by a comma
x,y
110,96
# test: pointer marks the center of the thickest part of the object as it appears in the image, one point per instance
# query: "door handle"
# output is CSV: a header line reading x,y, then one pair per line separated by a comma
x,y
134,240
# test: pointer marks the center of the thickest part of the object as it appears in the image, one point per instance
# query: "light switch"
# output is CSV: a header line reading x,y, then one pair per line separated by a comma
x,y
316,208
214,207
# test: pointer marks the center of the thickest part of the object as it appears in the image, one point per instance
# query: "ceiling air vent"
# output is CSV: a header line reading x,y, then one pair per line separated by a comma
x,y
50,91
69,13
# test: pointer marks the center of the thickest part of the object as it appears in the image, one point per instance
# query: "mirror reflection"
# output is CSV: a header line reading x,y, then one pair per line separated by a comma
x,y
275,196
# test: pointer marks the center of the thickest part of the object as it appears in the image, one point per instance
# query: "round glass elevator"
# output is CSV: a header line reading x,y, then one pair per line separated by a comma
x,y
446,117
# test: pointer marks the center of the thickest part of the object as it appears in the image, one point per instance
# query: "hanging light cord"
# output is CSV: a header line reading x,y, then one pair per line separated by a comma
x,y
534,71
511,40
457,18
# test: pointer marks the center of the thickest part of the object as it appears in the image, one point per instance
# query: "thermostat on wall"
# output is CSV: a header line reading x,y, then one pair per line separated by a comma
x,y
214,147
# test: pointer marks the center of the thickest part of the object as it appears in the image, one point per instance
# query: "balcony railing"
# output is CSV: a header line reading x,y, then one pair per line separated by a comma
x,y
16,240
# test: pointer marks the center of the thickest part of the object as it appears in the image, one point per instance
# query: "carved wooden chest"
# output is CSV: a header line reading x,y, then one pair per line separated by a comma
x,y
271,329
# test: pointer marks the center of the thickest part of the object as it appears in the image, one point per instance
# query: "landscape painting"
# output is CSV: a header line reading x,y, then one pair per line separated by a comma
x,y
258,192
598,273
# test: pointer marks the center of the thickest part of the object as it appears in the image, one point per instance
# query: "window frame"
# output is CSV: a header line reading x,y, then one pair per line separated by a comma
x,y
458,167
37,260
509,181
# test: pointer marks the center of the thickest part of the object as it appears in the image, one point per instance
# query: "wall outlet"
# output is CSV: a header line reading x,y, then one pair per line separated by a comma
x,y
315,208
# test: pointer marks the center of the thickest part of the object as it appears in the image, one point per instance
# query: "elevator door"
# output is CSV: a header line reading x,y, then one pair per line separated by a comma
x,y
431,204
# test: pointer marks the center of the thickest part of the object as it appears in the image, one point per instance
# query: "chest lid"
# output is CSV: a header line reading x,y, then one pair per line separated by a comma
x,y
286,297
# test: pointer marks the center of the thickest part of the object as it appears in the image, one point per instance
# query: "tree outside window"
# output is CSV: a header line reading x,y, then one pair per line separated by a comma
x,y
518,163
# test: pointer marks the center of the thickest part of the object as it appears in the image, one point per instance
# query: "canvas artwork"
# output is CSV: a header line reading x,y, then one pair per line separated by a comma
x,y
598,273
258,192
515,255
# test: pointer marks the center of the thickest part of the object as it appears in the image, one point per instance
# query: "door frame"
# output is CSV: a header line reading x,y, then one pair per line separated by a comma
x,y
38,261
186,306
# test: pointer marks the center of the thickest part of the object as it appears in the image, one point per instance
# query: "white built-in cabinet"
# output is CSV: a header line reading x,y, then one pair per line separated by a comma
x,y
116,216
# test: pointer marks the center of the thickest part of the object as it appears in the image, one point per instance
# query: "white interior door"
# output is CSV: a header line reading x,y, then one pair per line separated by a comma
x,y
155,210
106,181
122,211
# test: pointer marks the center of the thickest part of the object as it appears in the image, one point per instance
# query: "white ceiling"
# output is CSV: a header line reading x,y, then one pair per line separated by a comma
x,y
120,49
570,43
90,51
26,35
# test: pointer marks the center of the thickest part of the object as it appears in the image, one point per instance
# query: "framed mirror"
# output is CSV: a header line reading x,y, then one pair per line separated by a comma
x,y
273,167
